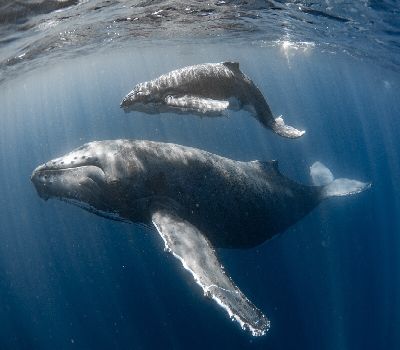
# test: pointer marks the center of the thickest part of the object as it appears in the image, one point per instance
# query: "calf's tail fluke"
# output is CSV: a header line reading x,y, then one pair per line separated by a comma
x,y
331,187
286,130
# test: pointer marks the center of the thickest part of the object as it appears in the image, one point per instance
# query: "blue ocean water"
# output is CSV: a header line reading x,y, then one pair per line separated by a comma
x,y
70,279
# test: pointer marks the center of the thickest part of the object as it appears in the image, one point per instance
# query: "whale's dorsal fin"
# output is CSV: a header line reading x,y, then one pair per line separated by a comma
x,y
267,165
197,256
232,65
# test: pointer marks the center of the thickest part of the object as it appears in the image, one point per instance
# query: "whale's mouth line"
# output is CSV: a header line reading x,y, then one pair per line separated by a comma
x,y
112,215
49,169
150,107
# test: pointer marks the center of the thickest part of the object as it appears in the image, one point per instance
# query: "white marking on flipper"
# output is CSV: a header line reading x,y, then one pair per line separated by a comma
x,y
198,104
197,256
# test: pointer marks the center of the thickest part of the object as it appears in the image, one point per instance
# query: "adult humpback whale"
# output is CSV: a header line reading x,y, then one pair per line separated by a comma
x,y
206,89
196,201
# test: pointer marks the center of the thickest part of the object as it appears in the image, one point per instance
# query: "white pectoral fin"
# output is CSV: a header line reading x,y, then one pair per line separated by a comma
x,y
197,256
197,104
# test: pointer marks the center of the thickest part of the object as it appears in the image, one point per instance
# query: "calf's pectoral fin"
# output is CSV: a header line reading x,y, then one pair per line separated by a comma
x,y
197,104
197,256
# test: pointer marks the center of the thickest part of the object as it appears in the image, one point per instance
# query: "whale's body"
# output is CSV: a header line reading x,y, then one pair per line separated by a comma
x,y
196,200
205,89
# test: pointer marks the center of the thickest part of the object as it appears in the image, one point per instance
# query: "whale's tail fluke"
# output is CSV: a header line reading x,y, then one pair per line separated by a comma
x,y
331,187
286,130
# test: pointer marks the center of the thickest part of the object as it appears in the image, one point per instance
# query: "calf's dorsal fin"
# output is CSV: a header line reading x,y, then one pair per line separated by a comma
x,y
232,65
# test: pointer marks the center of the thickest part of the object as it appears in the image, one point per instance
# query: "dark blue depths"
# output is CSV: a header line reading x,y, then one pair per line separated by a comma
x,y
69,279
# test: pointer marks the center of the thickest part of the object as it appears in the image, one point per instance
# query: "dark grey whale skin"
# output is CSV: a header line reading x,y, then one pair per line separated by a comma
x,y
235,204
195,200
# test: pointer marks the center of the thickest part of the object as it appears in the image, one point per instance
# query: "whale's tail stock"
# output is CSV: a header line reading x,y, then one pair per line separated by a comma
x,y
331,187
286,130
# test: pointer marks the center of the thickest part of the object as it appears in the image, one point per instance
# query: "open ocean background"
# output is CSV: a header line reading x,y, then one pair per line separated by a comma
x,y
72,280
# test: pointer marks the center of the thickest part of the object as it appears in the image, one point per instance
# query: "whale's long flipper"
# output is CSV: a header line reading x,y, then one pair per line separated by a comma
x,y
196,254
197,104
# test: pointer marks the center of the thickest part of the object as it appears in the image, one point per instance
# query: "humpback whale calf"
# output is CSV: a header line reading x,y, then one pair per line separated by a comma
x,y
206,89
197,201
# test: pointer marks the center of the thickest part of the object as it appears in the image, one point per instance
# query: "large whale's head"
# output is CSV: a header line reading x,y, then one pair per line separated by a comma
x,y
95,176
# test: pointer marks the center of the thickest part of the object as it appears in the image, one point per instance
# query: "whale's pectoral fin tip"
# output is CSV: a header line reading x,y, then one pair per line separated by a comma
x,y
197,256
284,130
